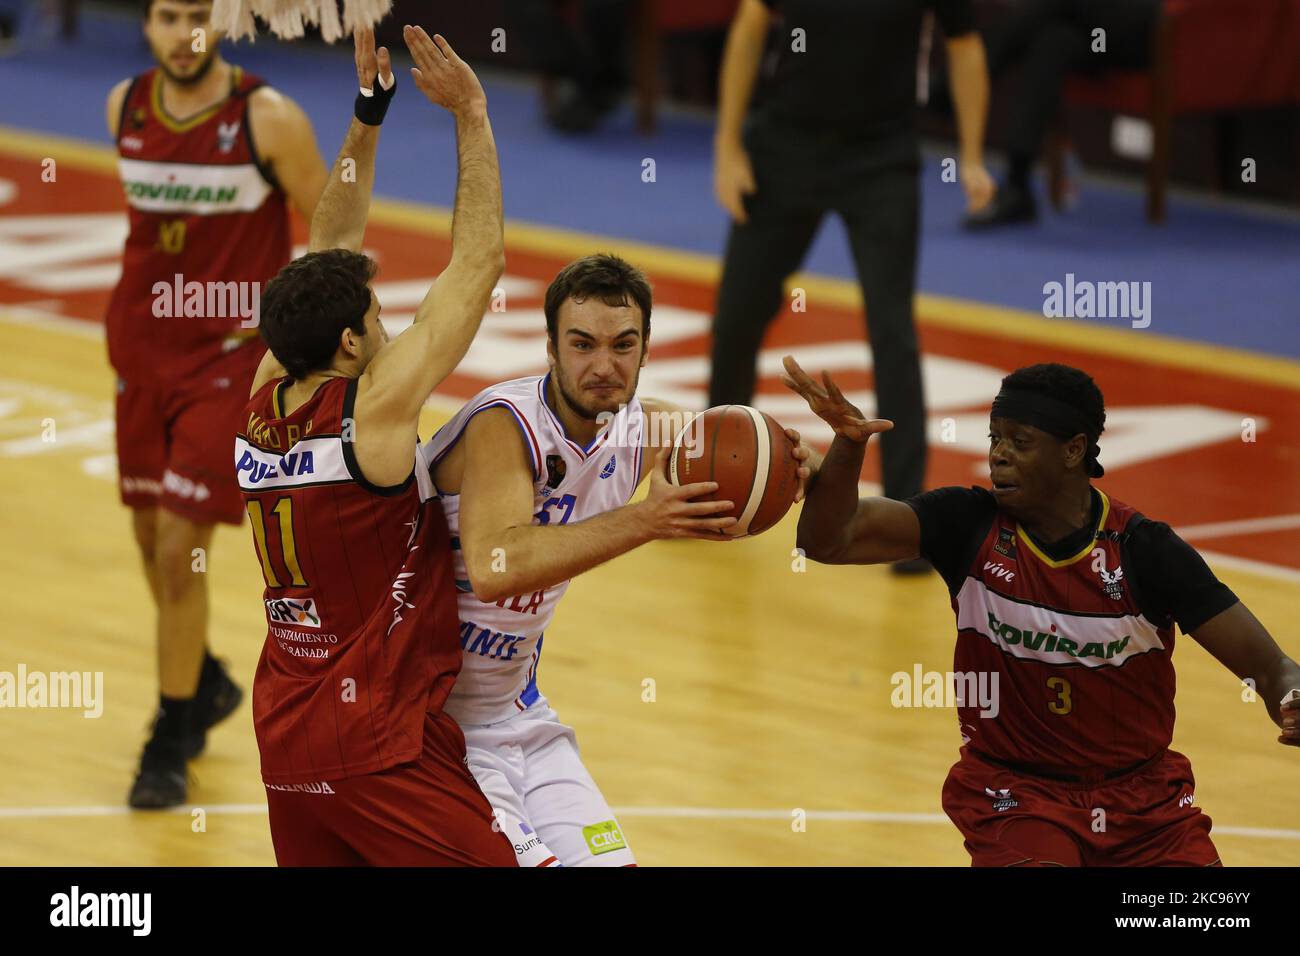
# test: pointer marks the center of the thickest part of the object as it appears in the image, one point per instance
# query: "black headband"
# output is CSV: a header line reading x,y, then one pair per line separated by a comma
x,y
1059,419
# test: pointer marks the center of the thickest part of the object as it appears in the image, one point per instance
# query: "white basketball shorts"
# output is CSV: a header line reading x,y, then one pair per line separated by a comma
x,y
546,802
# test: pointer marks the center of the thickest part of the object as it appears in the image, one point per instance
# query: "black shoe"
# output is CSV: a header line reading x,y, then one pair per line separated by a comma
x,y
912,566
216,699
161,781
1010,204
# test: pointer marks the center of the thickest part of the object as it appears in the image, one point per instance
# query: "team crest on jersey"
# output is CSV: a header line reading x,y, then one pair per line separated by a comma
x,y
1002,799
609,466
138,117
1006,543
555,469
1111,581
300,612
227,133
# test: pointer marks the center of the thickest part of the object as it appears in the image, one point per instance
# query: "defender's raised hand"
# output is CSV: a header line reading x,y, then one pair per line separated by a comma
x,y
440,74
830,405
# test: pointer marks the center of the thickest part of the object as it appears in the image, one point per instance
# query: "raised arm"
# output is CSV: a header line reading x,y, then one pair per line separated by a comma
x,y
339,221
507,554
835,526
401,377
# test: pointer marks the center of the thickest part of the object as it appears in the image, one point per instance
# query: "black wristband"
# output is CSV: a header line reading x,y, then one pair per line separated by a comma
x,y
371,109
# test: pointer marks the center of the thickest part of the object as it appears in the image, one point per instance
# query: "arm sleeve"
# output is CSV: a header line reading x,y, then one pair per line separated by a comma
x,y
956,17
951,519
1173,579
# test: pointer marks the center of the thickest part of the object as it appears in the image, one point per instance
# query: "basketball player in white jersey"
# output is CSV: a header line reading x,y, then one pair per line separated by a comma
x,y
535,476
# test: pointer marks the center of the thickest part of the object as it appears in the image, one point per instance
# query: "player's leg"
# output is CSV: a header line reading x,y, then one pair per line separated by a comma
x,y
197,491
181,640
141,437
1152,820
428,812
565,805
496,761
1009,820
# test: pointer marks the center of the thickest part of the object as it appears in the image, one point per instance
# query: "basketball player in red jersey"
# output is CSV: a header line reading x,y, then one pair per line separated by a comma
x,y
360,761
1069,599
210,156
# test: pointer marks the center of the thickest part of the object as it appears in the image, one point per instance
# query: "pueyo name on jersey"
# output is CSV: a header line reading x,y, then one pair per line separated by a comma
x,y
311,461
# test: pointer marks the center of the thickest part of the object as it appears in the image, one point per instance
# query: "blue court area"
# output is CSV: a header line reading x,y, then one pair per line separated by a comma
x,y
1218,274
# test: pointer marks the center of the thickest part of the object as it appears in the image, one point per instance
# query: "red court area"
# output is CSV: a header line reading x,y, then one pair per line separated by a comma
x,y
1175,445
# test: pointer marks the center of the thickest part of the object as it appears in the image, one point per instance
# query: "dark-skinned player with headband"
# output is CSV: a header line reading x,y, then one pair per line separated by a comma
x,y
1067,598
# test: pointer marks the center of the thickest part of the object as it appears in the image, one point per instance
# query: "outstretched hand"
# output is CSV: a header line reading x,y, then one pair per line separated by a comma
x,y
829,404
441,75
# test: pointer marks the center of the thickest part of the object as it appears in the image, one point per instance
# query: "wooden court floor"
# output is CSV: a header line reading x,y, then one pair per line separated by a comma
x,y
771,687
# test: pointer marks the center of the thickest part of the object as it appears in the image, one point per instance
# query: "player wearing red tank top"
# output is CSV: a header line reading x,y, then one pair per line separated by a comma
x,y
210,158
1066,603
360,762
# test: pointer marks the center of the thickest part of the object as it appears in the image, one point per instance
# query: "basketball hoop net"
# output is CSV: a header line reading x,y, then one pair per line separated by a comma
x,y
288,19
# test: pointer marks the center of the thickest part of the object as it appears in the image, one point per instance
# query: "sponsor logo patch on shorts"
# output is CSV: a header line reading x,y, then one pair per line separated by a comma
x,y
604,837
1002,799
319,786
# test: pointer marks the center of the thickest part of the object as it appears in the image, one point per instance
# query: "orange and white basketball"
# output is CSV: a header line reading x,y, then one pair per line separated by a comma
x,y
748,454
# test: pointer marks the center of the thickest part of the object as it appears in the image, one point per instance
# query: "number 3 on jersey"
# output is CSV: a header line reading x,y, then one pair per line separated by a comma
x,y
1062,705
283,510
567,503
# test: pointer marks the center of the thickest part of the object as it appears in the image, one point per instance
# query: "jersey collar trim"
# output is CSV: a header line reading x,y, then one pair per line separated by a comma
x,y
182,126
1083,552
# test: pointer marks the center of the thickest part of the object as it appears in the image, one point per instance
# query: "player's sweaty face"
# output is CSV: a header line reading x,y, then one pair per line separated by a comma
x,y
597,356
170,32
1025,466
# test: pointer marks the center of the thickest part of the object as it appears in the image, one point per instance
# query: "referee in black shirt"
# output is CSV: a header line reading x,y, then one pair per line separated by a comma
x,y
834,131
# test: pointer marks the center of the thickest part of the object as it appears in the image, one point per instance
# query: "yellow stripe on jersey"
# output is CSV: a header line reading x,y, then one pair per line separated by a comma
x,y
1083,552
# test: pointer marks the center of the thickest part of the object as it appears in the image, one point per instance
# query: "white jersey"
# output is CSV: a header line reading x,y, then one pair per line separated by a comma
x,y
502,642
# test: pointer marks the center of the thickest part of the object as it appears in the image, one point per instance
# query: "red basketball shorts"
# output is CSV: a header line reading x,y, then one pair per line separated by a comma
x,y
1145,818
175,442
427,812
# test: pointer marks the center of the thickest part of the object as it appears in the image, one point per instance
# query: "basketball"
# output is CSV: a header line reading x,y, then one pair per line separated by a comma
x,y
748,454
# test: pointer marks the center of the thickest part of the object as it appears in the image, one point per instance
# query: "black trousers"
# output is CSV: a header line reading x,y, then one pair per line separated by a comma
x,y
873,186
1050,39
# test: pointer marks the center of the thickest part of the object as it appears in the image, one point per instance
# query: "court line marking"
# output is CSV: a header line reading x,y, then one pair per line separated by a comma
x,y
941,311
688,813
1244,526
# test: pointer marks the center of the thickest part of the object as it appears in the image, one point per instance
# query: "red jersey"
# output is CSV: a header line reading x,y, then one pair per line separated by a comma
x,y
209,227
363,636
1086,681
